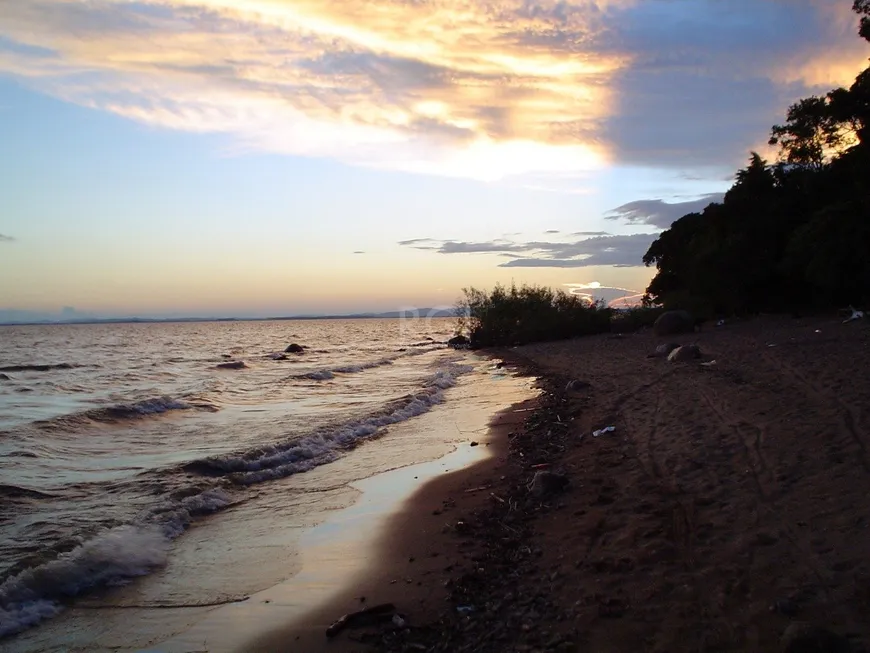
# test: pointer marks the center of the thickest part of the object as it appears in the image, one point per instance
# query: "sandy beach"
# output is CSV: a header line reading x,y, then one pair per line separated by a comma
x,y
727,508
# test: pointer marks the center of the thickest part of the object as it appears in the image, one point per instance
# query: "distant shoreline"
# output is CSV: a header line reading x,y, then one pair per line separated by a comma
x,y
392,315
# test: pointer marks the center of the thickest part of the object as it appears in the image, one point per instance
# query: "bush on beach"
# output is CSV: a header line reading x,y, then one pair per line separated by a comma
x,y
521,315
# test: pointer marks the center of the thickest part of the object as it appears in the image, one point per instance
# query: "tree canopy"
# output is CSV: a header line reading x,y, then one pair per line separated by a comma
x,y
789,235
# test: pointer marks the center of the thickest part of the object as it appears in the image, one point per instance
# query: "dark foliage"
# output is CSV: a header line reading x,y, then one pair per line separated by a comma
x,y
517,316
794,235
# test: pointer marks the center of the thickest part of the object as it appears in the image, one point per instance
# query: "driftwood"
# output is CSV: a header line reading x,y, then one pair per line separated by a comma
x,y
368,617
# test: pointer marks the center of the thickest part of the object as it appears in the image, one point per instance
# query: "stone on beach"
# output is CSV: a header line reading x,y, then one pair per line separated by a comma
x,y
232,365
547,483
459,340
294,349
577,385
662,351
672,323
684,353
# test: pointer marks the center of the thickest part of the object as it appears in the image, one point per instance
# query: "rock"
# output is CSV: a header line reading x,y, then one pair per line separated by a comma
x,y
801,637
232,365
474,444
662,351
294,349
277,356
576,385
378,614
547,483
671,323
457,340
685,353
5,377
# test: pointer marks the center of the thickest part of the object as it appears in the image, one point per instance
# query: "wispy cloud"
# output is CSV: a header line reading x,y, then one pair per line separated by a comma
x,y
659,213
6,239
479,90
617,251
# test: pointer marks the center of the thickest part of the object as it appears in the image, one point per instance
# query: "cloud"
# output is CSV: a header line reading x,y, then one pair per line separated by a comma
x,y
6,239
480,90
613,296
659,213
617,251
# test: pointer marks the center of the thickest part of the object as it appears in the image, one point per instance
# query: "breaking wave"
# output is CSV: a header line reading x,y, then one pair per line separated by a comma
x,y
111,558
326,375
288,458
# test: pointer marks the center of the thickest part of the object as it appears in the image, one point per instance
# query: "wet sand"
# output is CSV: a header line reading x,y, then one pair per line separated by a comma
x,y
728,508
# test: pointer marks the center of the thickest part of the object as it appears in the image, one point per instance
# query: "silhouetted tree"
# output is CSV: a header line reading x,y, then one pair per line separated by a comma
x,y
792,234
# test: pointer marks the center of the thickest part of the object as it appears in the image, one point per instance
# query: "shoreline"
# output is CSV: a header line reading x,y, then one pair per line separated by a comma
x,y
726,511
412,550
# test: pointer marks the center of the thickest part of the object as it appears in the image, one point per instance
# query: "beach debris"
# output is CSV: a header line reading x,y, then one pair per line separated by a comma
x,y
398,622
232,365
377,614
671,323
294,349
600,432
801,637
474,443
856,315
465,609
662,351
576,385
684,353
545,483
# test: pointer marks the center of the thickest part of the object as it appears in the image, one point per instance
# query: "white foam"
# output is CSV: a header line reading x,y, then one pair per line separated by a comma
x,y
317,449
111,558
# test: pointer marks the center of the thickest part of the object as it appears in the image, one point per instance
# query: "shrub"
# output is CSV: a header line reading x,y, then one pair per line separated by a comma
x,y
517,316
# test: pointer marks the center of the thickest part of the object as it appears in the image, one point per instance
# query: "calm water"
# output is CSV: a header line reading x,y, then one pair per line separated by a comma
x,y
115,439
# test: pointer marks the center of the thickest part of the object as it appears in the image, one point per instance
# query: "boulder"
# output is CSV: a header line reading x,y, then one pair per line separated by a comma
x,y
294,349
672,323
547,483
457,340
685,353
232,365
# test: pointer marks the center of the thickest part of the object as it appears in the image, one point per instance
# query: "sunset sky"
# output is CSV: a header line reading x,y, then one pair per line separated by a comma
x,y
273,157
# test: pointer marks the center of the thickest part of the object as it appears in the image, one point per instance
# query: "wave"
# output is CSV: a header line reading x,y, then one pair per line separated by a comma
x,y
297,456
328,374
8,491
38,368
111,558
120,412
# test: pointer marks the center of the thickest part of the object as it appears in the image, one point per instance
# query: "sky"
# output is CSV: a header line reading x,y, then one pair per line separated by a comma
x,y
276,157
